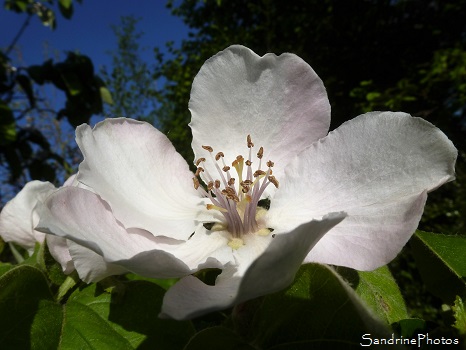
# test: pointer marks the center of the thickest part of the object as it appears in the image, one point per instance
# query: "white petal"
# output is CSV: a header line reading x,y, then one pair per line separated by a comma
x,y
273,270
136,169
280,101
86,219
58,248
91,267
16,218
377,168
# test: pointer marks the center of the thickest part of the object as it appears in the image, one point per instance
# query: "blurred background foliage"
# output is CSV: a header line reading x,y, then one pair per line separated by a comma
x,y
400,55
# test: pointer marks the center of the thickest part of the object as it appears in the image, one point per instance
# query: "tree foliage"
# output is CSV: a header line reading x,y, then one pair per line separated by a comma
x,y
26,151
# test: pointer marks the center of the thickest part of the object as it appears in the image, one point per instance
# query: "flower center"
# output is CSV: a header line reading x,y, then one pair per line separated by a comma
x,y
237,200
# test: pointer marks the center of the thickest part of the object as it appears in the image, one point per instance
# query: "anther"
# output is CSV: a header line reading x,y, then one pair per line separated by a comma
x,y
248,163
226,168
260,153
250,144
231,182
199,170
273,180
208,148
196,183
259,173
270,164
219,155
210,185
199,161
217,183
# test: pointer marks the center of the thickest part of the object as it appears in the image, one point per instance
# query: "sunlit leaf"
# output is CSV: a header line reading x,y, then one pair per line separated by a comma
x,y
459,313
319,308
378,289
440,260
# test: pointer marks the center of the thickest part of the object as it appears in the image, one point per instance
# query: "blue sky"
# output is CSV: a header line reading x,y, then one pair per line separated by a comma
x,y
89,29
89,32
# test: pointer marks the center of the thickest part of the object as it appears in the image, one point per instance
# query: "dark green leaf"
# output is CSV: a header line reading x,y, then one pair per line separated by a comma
x,y
409,327
440,260
124,318
26,85
66,8
217,338
7,125
318,308
25,302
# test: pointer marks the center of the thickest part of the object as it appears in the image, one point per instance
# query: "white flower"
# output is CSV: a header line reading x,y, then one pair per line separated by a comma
x,y
352,197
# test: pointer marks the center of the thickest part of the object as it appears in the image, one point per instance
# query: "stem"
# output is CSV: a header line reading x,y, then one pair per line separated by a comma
x,y
18,35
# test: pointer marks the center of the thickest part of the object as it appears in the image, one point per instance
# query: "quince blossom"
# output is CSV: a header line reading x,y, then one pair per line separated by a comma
x,y
352,197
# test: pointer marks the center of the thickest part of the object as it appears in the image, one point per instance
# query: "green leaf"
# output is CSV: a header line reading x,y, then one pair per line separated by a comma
x,y
460,315
66,8
27,310
26,85
378,289
125,318
441,263
409,327
319,308
7,125
106,95
217,338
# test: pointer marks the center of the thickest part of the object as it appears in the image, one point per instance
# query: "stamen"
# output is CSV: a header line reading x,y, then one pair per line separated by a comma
x,y
219,155
260,153
199,161
250,144
238,205
273,180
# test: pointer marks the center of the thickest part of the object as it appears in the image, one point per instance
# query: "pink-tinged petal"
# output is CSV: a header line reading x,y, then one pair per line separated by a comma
x,y
272,271
17,219
377,168
91,267
83,217
136,169
58,248
279,100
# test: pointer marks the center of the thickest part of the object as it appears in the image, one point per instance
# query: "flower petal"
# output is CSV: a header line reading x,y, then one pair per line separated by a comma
x,y
271,271
58,248
17,219
91,267
377,168
279,100
86,219
136,169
